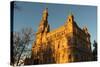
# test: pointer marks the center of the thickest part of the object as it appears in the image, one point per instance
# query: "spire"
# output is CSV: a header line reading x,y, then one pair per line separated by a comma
x,y
44,21
45,10
45,14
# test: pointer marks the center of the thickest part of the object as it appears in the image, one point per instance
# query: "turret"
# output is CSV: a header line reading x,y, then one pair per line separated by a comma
x,y
70,18
86,31
69,23
87,37
45,14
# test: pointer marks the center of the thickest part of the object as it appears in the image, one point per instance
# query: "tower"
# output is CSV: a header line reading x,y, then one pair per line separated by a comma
x,y
69,23
41,39
43,28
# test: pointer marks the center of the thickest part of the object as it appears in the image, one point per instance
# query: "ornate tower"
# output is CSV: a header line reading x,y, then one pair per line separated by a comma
x,y
39,46
43,28
69,23
85,29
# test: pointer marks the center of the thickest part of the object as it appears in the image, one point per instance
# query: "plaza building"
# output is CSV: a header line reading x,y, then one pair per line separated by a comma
x,y
68,43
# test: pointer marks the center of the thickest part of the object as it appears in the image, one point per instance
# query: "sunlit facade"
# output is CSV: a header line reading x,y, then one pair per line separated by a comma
x,y
68,43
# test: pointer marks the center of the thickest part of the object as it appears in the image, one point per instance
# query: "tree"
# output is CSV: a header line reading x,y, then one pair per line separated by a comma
x,y
95,51
21,40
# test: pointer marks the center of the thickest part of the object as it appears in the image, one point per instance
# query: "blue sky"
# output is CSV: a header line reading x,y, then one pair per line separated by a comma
x,y
28,14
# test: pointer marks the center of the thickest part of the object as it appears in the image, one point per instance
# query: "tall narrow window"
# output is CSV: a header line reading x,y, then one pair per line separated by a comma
x,y
58,45
69,20
69,58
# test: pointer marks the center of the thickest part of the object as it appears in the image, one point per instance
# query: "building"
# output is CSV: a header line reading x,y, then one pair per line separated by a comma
x,y
68,43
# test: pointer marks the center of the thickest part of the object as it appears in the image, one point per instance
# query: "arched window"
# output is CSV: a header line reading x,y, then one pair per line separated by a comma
x,y
69,19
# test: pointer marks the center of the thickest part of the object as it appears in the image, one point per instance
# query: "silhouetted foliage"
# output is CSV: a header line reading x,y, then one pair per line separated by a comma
x,y
21,42
95,51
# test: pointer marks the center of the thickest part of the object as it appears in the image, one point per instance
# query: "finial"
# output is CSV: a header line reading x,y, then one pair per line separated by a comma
x,y
45,10
85,29
70,13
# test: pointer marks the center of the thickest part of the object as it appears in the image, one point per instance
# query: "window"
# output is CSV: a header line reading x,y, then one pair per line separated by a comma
x,y
69,20
69,57
58,45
